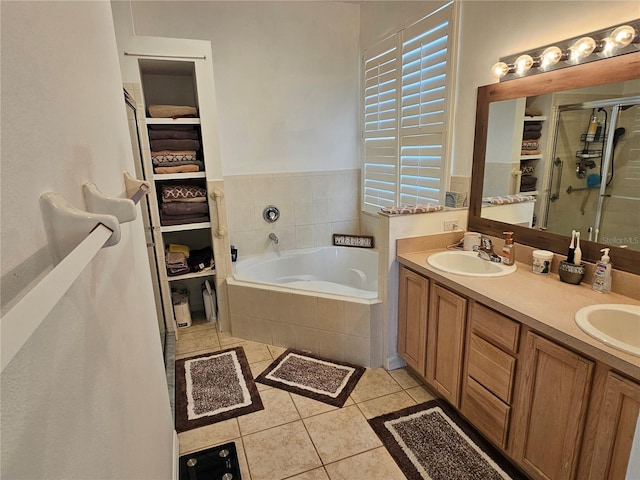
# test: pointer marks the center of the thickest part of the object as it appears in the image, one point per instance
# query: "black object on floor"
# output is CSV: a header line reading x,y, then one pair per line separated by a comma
x,y
217,463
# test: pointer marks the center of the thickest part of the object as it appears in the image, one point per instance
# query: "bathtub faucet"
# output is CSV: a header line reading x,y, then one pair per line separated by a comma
x,y
274,238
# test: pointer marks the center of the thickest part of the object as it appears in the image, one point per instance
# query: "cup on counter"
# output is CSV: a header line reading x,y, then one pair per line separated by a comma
x,y
542,261
471,241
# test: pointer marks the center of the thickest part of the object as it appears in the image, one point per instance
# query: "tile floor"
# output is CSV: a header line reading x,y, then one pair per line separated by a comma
x,y
298,438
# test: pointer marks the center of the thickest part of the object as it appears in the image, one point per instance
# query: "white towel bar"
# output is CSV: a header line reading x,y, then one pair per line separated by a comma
x,y
27,315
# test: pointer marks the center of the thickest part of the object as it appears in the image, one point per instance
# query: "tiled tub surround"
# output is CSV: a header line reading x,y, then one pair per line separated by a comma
x,y
340,328
313,206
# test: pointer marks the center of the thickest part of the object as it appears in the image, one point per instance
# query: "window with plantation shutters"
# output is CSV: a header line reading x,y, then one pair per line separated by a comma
x,y
406,88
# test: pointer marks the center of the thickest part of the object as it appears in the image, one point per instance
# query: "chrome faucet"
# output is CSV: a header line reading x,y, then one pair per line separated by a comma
x,y
485,250
274,238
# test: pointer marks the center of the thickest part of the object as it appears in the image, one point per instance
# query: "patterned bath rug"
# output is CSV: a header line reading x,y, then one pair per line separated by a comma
x,y
213,387
431,442
314,377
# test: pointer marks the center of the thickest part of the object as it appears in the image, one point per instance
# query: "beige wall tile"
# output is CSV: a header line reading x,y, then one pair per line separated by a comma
x,y
283,335
306,338
331,345
357,350
331,315
357,319
304,310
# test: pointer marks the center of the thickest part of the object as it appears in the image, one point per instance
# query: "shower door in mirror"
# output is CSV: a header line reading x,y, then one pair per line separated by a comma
x,y
594,179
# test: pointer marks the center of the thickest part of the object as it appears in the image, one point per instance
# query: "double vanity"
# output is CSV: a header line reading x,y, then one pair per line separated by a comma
x,y
503,346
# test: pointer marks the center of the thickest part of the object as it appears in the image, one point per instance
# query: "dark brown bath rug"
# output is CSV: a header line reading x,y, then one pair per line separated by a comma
x,y
431,441
311,376
214,387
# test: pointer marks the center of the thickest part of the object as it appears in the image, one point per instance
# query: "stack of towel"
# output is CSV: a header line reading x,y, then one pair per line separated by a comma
x,y
504,200
530,146
180,259
174,148
183,204
409,209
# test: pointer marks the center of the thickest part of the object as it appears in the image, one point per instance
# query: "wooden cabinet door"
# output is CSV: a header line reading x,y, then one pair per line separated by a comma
x,y
412,318
445,342
616,424
551,409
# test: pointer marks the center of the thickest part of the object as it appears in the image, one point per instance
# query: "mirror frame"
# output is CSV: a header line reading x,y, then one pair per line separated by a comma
x,y
599,72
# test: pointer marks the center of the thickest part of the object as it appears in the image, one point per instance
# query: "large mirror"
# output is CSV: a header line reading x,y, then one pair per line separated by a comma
x,y
565,144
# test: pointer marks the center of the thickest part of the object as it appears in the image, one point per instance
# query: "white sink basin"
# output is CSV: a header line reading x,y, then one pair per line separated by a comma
x,y
614,324
468,263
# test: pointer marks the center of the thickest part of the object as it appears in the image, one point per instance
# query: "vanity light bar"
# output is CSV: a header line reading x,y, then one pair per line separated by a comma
x,y
607,42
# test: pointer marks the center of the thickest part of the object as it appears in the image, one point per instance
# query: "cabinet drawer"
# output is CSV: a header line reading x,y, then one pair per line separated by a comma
x,y
486,412
491,367
495,327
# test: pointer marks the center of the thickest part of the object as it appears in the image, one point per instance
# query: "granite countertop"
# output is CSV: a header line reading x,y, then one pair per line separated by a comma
x,y
541,302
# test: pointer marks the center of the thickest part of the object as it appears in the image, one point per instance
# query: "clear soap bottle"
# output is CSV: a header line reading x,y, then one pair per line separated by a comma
x,y
602,277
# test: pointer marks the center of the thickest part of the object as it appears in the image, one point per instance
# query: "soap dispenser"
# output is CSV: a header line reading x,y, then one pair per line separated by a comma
x,y
602,277
508,250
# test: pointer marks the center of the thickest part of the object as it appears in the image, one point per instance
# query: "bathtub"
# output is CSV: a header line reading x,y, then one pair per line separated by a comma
x,y
344,271
323,300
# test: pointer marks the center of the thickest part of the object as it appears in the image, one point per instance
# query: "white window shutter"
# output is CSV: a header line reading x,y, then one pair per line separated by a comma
x,y
407,82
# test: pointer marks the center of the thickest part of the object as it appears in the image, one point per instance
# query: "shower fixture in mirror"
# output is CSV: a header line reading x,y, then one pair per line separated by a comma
x,y
558,152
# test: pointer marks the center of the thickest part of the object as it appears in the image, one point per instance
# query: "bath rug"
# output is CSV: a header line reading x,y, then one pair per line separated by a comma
x,y
214,387
431,441
314,377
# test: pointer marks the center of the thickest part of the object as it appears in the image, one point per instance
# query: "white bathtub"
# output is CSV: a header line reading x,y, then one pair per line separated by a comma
x,y
346,271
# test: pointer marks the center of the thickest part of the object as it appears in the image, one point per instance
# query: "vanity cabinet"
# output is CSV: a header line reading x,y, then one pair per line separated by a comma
x,y
412,319
490,366
445,342
613,415
552,408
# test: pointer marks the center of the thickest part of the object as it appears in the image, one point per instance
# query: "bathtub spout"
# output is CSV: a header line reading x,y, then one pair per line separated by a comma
x,y
274,238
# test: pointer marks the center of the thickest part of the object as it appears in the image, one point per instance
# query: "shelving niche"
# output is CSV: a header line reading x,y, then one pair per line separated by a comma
x,y
180,217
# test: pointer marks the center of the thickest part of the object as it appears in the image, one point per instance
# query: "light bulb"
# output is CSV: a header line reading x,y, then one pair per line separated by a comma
x,y
583,48
523,63
606,47
623,36
500,69
550,56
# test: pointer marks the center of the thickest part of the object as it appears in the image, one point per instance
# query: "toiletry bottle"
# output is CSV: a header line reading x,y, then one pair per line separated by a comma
x,y
508,250
602,277
591,131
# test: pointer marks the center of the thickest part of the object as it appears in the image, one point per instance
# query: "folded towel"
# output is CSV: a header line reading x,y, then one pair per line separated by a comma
x,y
182,219
527,170
530,144
527,188
183,192
201,259
529,180
528,135
185,208
174,144
168,158
179,248
173,134
171,111
532,126
508,199
409,209
175,259
530,152
186,168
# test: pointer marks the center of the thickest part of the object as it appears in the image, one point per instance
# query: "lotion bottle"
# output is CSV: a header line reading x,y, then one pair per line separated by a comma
x,y
602,277
508,250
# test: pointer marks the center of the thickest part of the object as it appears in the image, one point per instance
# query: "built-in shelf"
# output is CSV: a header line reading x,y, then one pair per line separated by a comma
x,y
185,226
172,121
538,118
530,157
532,193
187,276
178,176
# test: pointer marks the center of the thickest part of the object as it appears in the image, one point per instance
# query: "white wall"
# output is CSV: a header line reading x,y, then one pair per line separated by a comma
x,y
516,26
86,397
286,78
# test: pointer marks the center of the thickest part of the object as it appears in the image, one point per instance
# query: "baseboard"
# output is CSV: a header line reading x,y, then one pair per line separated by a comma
x,y
176,456
394,362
